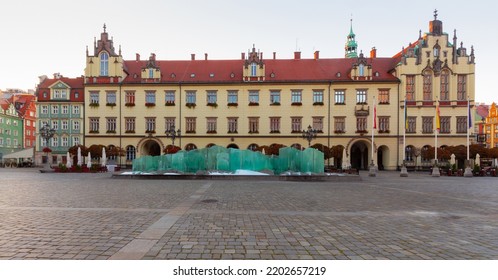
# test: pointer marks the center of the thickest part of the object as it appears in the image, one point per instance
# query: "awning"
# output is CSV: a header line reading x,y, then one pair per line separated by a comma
x,y
26,153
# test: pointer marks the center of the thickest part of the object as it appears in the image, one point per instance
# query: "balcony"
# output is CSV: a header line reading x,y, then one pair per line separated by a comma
x,y
361,110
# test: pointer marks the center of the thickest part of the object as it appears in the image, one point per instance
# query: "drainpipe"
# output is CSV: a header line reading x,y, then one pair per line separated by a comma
x,y
397,133
180,116
328,115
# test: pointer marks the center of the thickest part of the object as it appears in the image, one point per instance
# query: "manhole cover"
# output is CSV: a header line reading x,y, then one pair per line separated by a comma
x,y
209,200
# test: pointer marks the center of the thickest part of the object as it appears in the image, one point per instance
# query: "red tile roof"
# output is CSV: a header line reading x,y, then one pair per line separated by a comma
x,y
277,70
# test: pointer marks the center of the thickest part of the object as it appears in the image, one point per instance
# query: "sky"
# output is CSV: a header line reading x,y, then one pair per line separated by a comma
x,y
46,37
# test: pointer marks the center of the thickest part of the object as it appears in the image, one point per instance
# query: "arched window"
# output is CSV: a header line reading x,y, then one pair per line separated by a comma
x,y
210,145
254,67
427,85
297,146
190,147
253,147
409,153
104,64
233,146
112,156
425,153
361,70
130,153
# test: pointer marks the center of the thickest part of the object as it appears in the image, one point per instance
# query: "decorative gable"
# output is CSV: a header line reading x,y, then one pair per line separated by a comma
x,y
361,70
151,73
254,67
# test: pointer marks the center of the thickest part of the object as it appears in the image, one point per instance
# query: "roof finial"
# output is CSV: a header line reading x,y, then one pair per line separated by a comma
x,y
105,27
420,34
435,14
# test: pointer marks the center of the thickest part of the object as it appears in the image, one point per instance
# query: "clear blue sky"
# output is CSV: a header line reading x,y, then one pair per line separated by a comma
x,y
45,37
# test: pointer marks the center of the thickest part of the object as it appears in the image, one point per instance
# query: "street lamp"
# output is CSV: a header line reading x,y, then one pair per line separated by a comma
x,y
46,132
309,134
173,134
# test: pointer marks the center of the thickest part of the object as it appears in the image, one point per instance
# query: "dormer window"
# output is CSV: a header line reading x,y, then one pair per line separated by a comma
x,y
253,69
151,73
361,70
104,64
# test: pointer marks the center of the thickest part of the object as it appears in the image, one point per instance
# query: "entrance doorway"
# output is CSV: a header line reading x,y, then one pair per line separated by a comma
x,y
359,156
151,148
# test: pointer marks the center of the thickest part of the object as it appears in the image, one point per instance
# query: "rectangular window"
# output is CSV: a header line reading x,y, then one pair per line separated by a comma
x,y
55,124
94,125
150,98
427,94
318,124
445,125
427,124
55,141
211,124
94,97
253,124
253,97
169,97
361,96
445,79
410,87
274,124
383,96
190,97
76,140
211,97
129,124
65,109
296,96
275,97
44,109
55,109
65,125
339,124
150,125
461,124
361,124
1,141
384,124
76,109
462,87
129,98
8,141
340,96
169,123
232,97
296,126
190,123
232,125
64,141
412,125
76,126
111,125
317,97
111,98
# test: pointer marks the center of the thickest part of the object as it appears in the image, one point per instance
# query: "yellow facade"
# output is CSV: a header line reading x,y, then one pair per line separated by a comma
x,y
491,127
384,80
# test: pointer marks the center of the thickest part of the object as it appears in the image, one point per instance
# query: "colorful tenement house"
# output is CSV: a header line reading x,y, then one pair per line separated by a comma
x,y
11,128
256,101
491,127
25,105
60,106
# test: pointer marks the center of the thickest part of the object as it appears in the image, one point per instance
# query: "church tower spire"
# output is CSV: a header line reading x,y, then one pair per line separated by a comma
x,y
351,46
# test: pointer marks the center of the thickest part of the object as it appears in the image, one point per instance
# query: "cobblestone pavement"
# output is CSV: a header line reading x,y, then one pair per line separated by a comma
x,y
92,216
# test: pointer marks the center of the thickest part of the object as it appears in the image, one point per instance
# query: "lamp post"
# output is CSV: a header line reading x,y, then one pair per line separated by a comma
x,y
173,134
309,134
46,132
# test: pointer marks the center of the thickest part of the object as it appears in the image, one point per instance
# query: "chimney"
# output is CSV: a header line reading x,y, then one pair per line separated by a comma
x,y
243,56
274,55
154,56
260,56
192,56
373,53
205,56
317,55
137,57
297,55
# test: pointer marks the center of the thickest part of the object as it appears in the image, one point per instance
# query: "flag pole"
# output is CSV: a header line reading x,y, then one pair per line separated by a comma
x,y
404,171
468,169
372,170
435,169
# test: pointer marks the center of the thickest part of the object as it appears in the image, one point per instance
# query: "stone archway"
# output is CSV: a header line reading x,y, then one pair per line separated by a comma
x,y
382,157
150,148
359,155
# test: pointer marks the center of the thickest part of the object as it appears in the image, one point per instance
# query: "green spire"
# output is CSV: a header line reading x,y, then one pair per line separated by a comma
x,y
351,45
